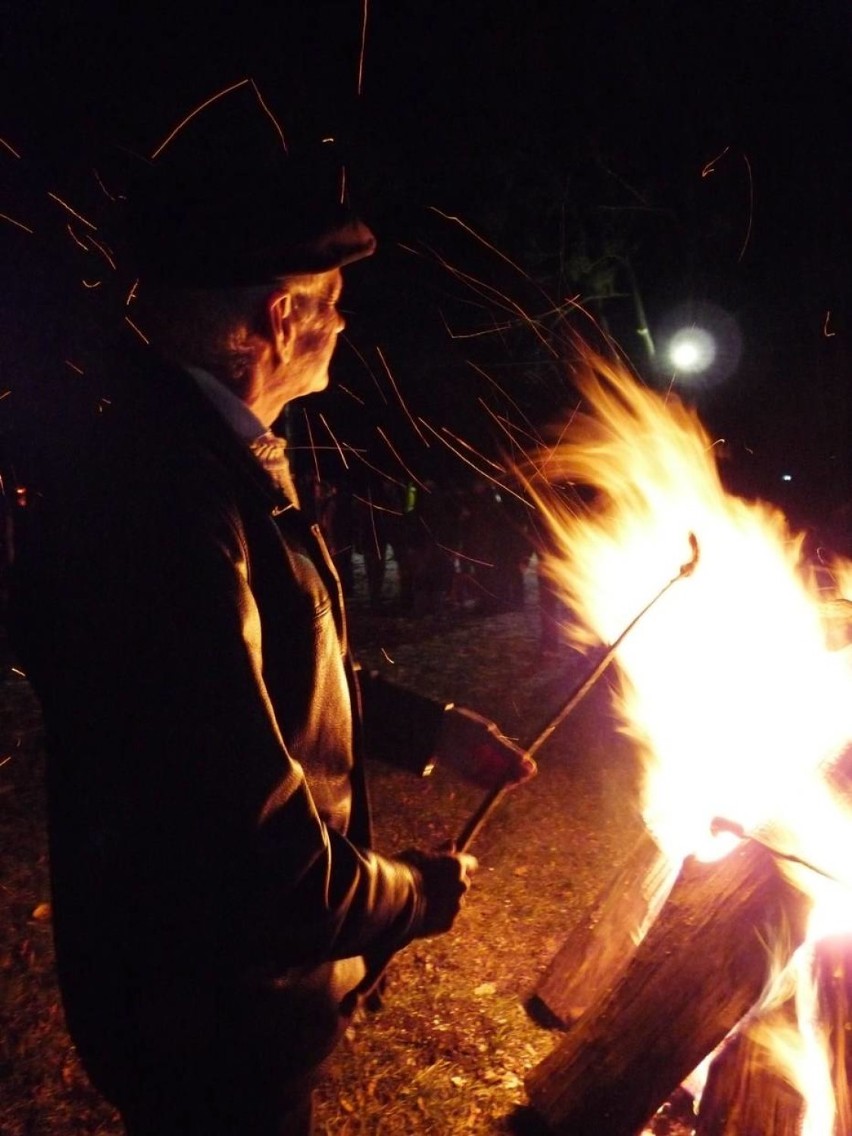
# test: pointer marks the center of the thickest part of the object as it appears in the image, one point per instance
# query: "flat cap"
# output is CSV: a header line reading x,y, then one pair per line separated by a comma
x,y
225,204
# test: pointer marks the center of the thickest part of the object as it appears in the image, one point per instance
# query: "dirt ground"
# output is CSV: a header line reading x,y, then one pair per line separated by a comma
x,y
448,1051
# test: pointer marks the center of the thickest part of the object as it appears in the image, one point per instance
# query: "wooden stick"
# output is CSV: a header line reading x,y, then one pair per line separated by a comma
x,y
495,795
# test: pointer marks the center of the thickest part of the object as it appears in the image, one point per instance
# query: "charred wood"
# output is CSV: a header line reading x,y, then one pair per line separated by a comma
x,y
600,947
746,1095
697,972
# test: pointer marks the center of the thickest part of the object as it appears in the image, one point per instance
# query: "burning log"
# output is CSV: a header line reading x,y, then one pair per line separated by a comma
x,y
833,976
598,950
699,969
745,1095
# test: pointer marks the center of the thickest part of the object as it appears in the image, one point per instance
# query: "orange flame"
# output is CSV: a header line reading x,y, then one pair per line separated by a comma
x,y
728,682
739,706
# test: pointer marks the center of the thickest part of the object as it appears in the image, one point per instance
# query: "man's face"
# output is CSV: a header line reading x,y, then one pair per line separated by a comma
x,y
317,324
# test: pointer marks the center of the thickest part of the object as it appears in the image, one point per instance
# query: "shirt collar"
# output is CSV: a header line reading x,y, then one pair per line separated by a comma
x,y
245,424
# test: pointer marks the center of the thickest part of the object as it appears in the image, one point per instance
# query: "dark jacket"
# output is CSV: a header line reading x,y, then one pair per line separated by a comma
x,y
209,826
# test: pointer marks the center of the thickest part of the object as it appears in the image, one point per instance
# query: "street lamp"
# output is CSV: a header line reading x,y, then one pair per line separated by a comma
x,y
700,345
691,350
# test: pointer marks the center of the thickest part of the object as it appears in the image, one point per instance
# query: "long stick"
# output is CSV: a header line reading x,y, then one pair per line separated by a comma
x,y
492,798
368,987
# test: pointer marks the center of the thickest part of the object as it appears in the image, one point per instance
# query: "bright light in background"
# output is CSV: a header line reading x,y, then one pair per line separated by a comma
x,y
691,350
698,344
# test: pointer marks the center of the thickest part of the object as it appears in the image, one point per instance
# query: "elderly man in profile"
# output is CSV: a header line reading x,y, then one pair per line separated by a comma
x,y
215,891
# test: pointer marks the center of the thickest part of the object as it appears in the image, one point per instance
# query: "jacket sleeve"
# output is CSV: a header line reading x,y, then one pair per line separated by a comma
x,y
302,891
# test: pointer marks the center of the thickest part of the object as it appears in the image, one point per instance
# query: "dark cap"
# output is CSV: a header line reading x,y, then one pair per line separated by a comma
x,y
226,205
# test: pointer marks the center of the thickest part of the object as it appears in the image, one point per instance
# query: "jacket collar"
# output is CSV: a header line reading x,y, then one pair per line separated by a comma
x,y
177,394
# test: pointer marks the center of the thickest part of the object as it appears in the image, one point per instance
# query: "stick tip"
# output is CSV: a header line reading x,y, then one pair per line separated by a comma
x,y
689,567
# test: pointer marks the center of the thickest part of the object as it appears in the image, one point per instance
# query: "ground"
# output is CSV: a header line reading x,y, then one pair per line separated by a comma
x,y
448,1051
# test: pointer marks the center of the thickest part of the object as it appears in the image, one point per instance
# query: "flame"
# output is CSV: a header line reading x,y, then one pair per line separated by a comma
x,y
727,682
731,683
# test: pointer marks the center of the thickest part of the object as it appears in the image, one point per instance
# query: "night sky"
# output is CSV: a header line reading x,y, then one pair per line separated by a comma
x,y
571,136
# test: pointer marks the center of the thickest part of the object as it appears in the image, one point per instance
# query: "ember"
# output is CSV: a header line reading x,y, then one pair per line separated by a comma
x,y
741,711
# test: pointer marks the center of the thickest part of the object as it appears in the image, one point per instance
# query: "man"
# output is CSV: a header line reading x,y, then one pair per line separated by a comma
x,y
215,894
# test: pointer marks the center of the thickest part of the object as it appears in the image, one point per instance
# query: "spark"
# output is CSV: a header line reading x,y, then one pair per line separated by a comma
x,y
138,330
363,47
311,444
828,334
399,396
131,295
76,239
269,115
102,249
577,304
374,468
461,441
5,394
10,148
509,428
342,184
482,473
331,435
387,656
750,207
478,237
351,394
91,283
554,449
104,189
17,671
188,118
19,224
371,504
396,454
465,556
368,369
709,168
5,760
74,367
376,543
496,330
481,371
488,291
321,449
55,197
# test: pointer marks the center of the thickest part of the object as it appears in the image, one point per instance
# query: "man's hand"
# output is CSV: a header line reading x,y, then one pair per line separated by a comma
x,y
477,750
445,878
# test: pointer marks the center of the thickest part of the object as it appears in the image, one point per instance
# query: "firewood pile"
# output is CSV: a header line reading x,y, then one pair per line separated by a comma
x,y
667,976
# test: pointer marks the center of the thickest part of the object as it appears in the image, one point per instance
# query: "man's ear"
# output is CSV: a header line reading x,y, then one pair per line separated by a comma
x,y
281,323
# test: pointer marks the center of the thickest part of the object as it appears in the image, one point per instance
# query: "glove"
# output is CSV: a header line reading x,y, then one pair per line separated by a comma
x,y
445,878
477,750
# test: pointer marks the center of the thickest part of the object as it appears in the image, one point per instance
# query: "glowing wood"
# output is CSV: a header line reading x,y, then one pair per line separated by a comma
x,y
743,1097
699,969
601,946
834,981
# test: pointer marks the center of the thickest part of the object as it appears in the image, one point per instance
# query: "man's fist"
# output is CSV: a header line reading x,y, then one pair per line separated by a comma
x,y
445,878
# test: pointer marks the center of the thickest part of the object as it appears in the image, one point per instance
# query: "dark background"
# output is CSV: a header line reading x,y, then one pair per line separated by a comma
x,y
571,137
